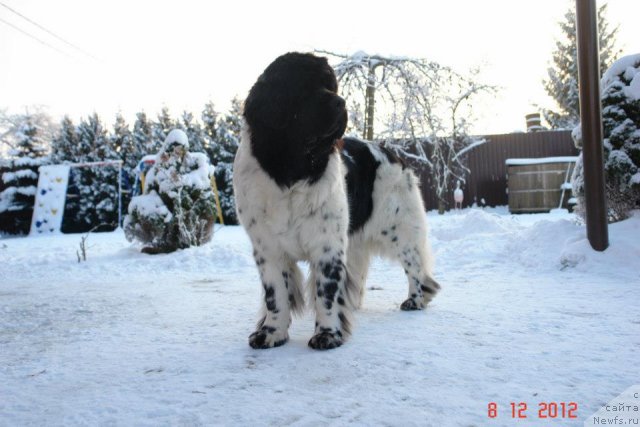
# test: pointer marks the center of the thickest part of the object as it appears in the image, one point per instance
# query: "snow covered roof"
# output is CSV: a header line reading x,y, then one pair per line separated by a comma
x,y
541,160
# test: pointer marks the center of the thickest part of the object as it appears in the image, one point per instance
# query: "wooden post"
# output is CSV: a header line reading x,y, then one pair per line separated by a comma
x,y
591,122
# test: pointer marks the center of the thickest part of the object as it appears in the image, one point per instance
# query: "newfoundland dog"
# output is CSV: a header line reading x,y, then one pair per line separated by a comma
x,y
305,193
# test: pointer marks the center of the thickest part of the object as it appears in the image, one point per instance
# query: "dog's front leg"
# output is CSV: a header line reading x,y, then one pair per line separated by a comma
x,y
272,329
332,312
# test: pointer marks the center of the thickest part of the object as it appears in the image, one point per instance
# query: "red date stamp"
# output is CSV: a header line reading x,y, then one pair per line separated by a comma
x,y
544,410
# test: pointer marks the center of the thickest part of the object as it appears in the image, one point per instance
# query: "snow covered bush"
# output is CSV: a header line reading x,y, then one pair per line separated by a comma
x,y
177,208
620,88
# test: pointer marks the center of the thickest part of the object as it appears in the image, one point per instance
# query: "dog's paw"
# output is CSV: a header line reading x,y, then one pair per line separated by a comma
x,y
267,337
326,340
411,304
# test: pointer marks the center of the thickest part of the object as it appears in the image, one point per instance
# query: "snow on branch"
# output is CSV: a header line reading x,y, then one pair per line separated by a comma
x,y
465,150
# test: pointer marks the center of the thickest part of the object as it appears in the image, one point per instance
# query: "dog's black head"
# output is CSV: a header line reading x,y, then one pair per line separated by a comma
x,y
295,117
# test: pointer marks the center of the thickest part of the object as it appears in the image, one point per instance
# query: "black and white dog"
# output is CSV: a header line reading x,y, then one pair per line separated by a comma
x,y
303,193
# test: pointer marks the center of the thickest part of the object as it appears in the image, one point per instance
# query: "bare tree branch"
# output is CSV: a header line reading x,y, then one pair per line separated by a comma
x,y
418,104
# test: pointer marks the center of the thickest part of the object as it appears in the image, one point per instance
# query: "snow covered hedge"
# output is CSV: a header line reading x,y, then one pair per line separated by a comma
x,y
620,88
177,209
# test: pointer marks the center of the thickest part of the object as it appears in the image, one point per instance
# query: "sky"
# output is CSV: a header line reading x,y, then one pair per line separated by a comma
x,y
130,56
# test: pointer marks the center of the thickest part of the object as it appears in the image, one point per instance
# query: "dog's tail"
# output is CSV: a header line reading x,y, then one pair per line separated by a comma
x,y
430,289
352,291
295,282
353,299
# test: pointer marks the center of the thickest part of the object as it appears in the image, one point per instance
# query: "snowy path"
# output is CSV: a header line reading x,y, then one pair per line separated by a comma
x,y
527,314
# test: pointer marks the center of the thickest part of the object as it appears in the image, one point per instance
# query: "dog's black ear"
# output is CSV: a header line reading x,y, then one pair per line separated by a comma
x,y
267,104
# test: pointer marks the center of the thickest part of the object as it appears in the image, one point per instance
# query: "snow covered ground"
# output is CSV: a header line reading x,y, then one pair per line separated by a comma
x,y
528,313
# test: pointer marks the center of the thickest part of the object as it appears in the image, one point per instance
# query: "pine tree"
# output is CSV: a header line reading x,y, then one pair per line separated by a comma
x,y
194,132
209,118
209,125
123,143
142,135
30,143
161,128
65,143
64,149
229,130
20,178
11,127
562,81
222,152
97,187
621,131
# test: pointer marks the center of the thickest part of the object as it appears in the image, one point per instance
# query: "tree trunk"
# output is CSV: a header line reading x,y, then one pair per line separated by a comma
x,y
370,105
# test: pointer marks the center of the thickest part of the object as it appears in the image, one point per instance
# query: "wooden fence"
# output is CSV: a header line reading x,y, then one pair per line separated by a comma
x,y
486,184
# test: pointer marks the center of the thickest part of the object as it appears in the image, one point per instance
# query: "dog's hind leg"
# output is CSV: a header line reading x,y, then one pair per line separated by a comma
x,y
281,292
422,287
407,242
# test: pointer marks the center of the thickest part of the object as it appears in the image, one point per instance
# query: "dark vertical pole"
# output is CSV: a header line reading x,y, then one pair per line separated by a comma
x,y
591,118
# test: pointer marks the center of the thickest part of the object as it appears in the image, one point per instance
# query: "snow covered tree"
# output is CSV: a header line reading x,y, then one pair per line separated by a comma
x,y
209,118
562,81
230,127
29,142
227,140
11,127
176,210
222,135
161,128
383,83
143,137
209,125
20,177
6,128
428,110
620,88
123,143
96,187
65,142
66,148
194,132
